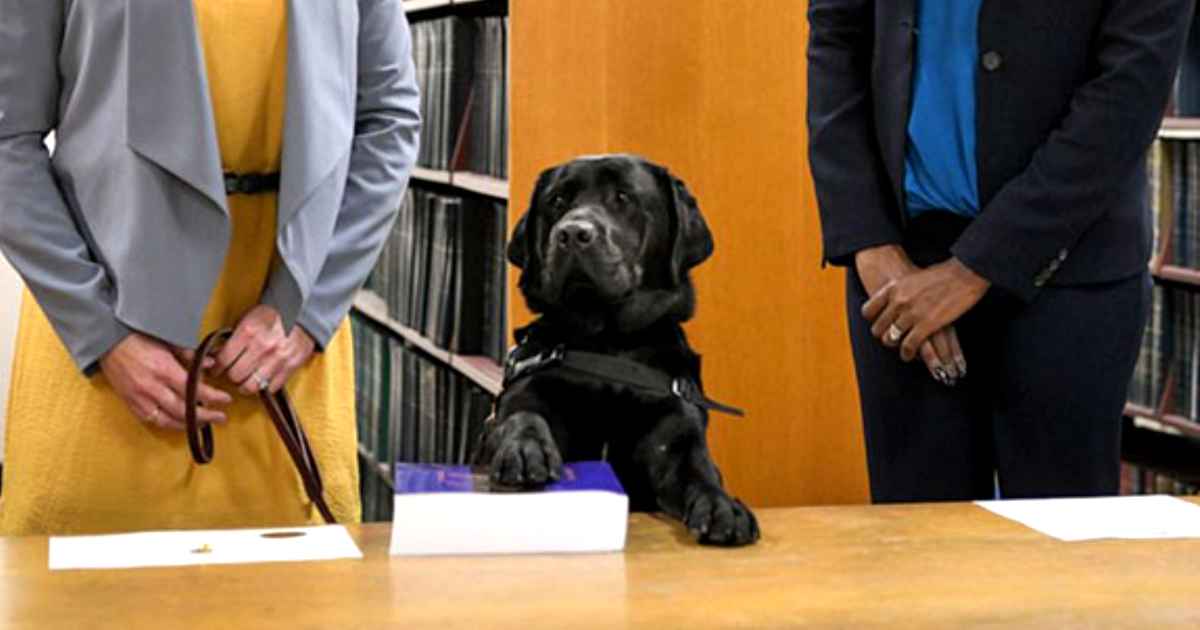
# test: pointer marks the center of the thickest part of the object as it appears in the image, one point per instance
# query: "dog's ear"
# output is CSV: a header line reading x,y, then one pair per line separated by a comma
x,y
692,241
523,246
518,245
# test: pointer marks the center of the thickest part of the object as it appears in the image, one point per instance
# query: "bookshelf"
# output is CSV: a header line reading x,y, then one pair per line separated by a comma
x,y
1177,277
1169,423
481,184
384,470
430,324
465,181
1161,431
483,371
1180,128
431,176
416,6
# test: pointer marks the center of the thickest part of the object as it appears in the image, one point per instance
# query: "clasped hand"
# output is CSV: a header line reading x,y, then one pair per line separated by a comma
x,y
915,309
150,375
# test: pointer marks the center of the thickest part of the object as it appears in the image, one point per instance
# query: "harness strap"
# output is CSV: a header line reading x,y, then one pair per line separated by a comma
x,y
617,370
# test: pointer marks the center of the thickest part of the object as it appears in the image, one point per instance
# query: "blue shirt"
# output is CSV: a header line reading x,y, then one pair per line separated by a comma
x,y
939,165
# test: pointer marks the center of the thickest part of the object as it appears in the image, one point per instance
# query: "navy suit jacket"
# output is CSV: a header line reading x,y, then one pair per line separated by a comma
x,y
1070,95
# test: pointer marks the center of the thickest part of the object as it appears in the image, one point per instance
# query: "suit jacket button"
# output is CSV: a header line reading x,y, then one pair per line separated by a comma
x,y
1062,255
992,61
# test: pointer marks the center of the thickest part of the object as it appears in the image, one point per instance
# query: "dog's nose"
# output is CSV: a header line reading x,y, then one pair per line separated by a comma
x,y
575,234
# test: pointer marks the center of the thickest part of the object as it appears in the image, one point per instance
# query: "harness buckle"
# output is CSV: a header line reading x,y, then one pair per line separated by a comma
x,y
547,358
681,388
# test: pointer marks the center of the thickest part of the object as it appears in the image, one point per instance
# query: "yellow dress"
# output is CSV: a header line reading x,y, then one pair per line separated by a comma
x,y
79,461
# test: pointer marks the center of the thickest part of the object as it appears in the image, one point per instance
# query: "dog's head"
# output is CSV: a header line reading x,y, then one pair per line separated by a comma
x,y
610,239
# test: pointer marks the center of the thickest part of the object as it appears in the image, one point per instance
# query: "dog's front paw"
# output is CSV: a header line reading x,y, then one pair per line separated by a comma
x,y
716,518
525,454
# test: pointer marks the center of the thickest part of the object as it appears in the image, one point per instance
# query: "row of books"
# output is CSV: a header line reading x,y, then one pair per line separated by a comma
x,y
410,408
1140,480
1185,101
1174,171
1170,355
442,271
461,68
376,496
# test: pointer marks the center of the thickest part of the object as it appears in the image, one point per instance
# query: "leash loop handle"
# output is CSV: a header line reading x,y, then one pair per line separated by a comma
x,y
283,417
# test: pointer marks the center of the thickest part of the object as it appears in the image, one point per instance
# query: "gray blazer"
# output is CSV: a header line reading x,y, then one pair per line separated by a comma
x,y
126,227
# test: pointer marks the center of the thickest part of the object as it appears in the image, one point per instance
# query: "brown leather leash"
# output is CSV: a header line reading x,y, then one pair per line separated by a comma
x,y
283,416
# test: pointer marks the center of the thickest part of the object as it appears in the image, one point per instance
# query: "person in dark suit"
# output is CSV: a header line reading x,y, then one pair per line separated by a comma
x,y
980,170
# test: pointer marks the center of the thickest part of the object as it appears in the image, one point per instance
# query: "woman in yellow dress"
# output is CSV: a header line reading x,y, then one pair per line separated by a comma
x,y
103,453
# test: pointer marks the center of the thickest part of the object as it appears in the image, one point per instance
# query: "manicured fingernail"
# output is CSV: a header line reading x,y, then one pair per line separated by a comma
x,y
939,374
962,366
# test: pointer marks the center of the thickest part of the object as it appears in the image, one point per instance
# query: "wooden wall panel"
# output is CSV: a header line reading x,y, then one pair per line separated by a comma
x,y
715,89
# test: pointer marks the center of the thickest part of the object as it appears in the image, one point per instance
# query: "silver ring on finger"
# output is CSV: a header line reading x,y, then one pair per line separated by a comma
x,y
263,383
894,334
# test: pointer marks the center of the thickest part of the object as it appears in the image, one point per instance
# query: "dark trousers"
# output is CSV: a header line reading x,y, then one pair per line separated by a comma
x,y
1041,405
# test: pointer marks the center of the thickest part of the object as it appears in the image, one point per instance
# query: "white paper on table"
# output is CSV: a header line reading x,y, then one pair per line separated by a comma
x,y
1132,517
196,547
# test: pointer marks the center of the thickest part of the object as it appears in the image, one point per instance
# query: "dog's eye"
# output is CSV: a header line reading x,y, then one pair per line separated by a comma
x,y
623,197
558,202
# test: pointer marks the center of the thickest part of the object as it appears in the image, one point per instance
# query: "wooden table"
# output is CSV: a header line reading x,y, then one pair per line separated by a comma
x,y
951,566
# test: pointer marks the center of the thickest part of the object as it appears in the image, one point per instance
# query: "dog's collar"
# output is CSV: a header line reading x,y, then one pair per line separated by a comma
x,y
633,374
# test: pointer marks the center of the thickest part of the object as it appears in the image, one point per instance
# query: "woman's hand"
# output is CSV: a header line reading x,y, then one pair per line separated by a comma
x,y
260,355
881,266
150,377
920,304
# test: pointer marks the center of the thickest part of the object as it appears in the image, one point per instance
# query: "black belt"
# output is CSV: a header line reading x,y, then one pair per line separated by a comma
x,y
251,183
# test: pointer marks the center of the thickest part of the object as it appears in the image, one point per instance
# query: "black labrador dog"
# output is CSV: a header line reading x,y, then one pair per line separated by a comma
x,y
606,371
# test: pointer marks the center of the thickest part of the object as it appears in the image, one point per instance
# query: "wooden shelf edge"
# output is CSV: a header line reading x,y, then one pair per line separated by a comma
x,y
1177,275
421,173
1169,423
373,306
412,6
483,371
1176,128
482,184
384,470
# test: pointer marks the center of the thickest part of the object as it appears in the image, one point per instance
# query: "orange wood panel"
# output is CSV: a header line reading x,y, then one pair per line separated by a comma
x,y
714,89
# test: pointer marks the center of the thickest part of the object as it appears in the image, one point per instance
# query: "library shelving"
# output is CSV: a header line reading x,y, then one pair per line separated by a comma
x,y
483,371
415,6
430,324
464,181
1180,128
431,176
1161,431
1174,276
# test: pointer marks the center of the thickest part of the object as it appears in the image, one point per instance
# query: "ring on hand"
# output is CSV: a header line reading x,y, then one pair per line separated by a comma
x,y
894,334
153,419
263,383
